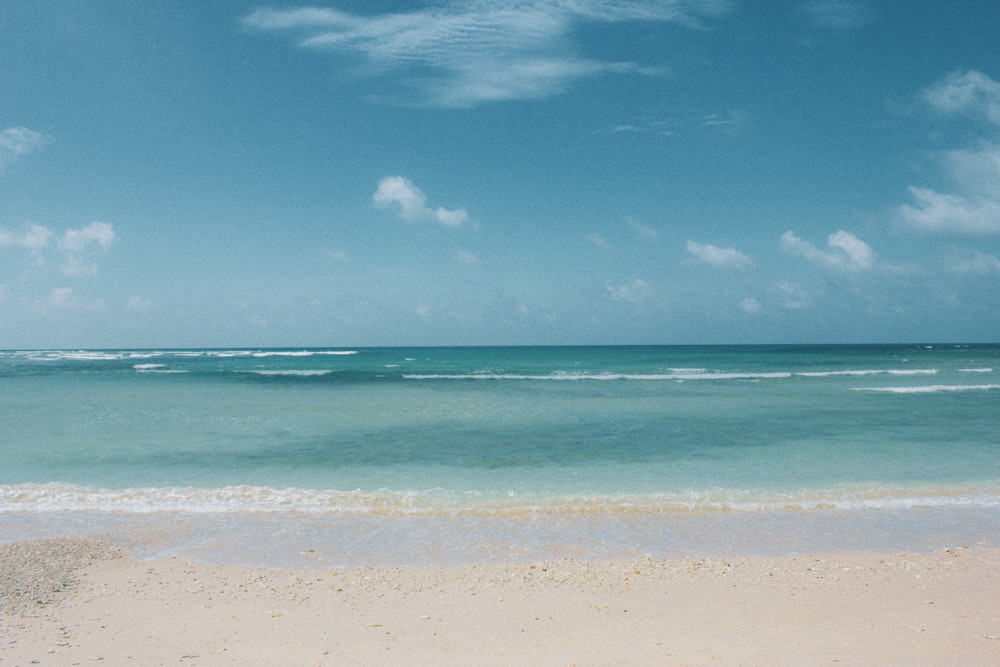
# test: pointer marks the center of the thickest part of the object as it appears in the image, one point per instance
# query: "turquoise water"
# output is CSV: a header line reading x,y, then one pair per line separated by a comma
x,y
438,454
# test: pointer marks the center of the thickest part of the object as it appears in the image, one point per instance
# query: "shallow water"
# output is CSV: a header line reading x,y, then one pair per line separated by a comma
x,y
457,454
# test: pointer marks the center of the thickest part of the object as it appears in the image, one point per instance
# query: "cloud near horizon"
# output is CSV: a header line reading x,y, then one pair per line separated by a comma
x,y
846,251
410,203
634,291
77,246
461,54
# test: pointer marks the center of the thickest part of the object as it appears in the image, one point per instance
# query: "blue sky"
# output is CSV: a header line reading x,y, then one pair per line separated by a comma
x,y
436,173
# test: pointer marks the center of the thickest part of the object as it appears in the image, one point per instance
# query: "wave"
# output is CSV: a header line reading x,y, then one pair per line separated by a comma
x,y
975,370
563,376
293,373
930,389
57,497
86,355
158,368
676,374
302,353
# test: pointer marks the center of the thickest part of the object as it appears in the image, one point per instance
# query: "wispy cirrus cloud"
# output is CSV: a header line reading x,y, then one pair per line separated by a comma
x,y
972,261
598,241
641,230
838,14
845,251
972,206
466,53
730,122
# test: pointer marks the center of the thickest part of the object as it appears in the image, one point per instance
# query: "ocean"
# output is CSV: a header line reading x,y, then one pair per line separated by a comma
x,y
393,456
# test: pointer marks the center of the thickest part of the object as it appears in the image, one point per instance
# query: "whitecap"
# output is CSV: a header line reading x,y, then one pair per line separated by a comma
x,y
300,373
930,389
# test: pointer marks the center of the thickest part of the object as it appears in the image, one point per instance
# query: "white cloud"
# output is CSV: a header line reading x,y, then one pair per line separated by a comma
x,y
721,258
75,245
78,243
35,237
846,251
18,141
400,194
466,257
423,311
971,93
731,121
96,233
975,206
463,53
972,206
973,261
750,306
634,291
940,212
66,299
793,295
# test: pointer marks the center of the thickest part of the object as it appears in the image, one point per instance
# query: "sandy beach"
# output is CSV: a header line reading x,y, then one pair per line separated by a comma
x,y
68,602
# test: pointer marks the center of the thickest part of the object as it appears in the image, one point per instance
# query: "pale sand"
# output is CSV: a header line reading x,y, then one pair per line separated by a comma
x,y
847,609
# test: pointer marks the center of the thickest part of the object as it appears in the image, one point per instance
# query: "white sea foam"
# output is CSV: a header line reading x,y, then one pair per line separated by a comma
x,y
930,389
821,374
302,353
975,370
56,497
564,376
75,355
301,373
866,371
159,369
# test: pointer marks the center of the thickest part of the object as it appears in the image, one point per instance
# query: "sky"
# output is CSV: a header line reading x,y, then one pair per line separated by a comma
x,y
502,172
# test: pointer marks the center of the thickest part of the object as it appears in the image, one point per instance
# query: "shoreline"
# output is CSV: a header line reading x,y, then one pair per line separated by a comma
x,y
852,608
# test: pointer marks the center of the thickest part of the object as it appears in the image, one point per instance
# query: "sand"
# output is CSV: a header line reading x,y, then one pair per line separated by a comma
x,y
79,602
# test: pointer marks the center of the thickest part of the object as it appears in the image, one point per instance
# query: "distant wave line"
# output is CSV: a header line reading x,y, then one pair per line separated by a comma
x,y
930,389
